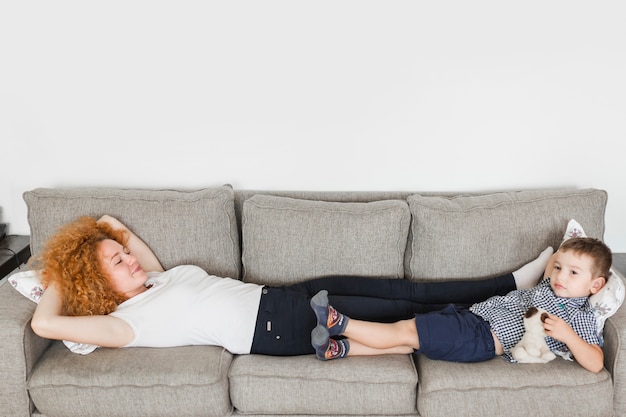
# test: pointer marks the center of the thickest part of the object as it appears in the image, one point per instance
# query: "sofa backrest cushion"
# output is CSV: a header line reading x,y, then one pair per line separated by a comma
x,y
181,227
478,236
287,240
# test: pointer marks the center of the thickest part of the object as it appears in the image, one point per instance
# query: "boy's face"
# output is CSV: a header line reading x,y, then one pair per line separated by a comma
x,y
572,277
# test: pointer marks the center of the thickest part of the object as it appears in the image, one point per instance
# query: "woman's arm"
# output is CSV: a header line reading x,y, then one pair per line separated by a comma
x,y
137,247
107,331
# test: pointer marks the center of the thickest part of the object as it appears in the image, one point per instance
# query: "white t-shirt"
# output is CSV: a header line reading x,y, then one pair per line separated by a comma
x,y
186,306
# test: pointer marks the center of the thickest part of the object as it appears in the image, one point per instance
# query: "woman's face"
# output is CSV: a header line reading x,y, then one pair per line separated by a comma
x,y
122,268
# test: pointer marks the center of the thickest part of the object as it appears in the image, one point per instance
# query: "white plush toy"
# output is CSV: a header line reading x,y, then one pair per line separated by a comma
x,y
533,348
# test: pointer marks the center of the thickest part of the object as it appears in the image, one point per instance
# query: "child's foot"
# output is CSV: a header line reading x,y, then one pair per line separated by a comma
x,y
529,275
327,348
327,316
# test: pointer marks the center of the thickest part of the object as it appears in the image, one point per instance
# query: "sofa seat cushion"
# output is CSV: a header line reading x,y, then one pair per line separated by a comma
x,y
384,385
192,380
287,240
496,387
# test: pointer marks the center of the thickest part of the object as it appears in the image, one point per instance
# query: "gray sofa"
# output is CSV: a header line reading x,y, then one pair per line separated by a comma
x,y
283,237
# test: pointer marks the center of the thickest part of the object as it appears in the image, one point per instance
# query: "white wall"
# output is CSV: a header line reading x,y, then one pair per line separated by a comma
x,y
319,95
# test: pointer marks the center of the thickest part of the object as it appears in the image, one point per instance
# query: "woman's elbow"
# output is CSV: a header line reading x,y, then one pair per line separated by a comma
x,y
42,327
38,326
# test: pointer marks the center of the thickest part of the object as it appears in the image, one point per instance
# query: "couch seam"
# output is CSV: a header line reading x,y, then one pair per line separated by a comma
x,y
327,379
235,263
370,205
84,386
207,193
525,387
501,203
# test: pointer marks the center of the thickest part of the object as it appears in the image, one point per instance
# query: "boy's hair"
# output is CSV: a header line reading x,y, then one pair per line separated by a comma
x,y
596,249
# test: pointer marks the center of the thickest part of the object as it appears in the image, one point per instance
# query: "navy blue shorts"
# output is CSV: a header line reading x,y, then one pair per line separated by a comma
x,y
455,334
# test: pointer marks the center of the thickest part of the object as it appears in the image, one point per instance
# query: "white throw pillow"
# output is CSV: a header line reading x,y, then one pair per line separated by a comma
x,y
28,283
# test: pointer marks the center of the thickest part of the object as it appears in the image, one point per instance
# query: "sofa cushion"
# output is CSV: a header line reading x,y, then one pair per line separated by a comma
x,y
304,385
132,381
181,227
453,237
558,388
286,240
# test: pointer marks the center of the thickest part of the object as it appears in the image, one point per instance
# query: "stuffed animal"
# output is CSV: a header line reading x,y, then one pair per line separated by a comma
x,y
533,348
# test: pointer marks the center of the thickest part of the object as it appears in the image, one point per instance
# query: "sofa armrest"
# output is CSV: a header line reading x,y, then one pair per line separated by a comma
x,y
615,355
20,349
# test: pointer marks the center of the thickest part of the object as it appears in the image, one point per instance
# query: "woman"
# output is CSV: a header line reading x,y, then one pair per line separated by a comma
x,y
106,287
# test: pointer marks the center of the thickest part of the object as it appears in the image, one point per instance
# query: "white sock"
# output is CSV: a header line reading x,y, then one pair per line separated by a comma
x,y
529,275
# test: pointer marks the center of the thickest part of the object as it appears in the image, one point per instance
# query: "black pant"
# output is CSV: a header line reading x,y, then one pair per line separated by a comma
x,y
285,318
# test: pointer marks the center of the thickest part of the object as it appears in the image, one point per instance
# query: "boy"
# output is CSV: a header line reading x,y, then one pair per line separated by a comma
x,y
577,270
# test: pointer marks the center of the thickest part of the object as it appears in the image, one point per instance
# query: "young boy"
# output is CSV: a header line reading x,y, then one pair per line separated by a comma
x,y
577,270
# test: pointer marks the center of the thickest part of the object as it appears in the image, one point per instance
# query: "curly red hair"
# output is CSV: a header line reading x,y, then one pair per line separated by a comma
x,y
70,260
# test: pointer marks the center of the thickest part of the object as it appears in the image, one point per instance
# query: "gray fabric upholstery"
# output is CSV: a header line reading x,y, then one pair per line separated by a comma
x,y
286,240
304,385
20,349
495,387
488,235
181,227
137,382
615,354
287,236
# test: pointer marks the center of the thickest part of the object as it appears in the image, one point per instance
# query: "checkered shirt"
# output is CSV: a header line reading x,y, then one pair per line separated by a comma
x,y
505,316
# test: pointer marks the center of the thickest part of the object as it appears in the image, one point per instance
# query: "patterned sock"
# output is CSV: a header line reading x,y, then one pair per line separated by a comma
x,y
327,316
327,348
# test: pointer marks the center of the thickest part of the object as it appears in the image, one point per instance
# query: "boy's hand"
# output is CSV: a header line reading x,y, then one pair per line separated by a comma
x,y
587,355
558,329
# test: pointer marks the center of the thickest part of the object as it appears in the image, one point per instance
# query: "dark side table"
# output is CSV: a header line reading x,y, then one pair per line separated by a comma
x,y
14,251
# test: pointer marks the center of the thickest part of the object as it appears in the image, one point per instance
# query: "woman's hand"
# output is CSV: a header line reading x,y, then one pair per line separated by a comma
x,y
137,247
